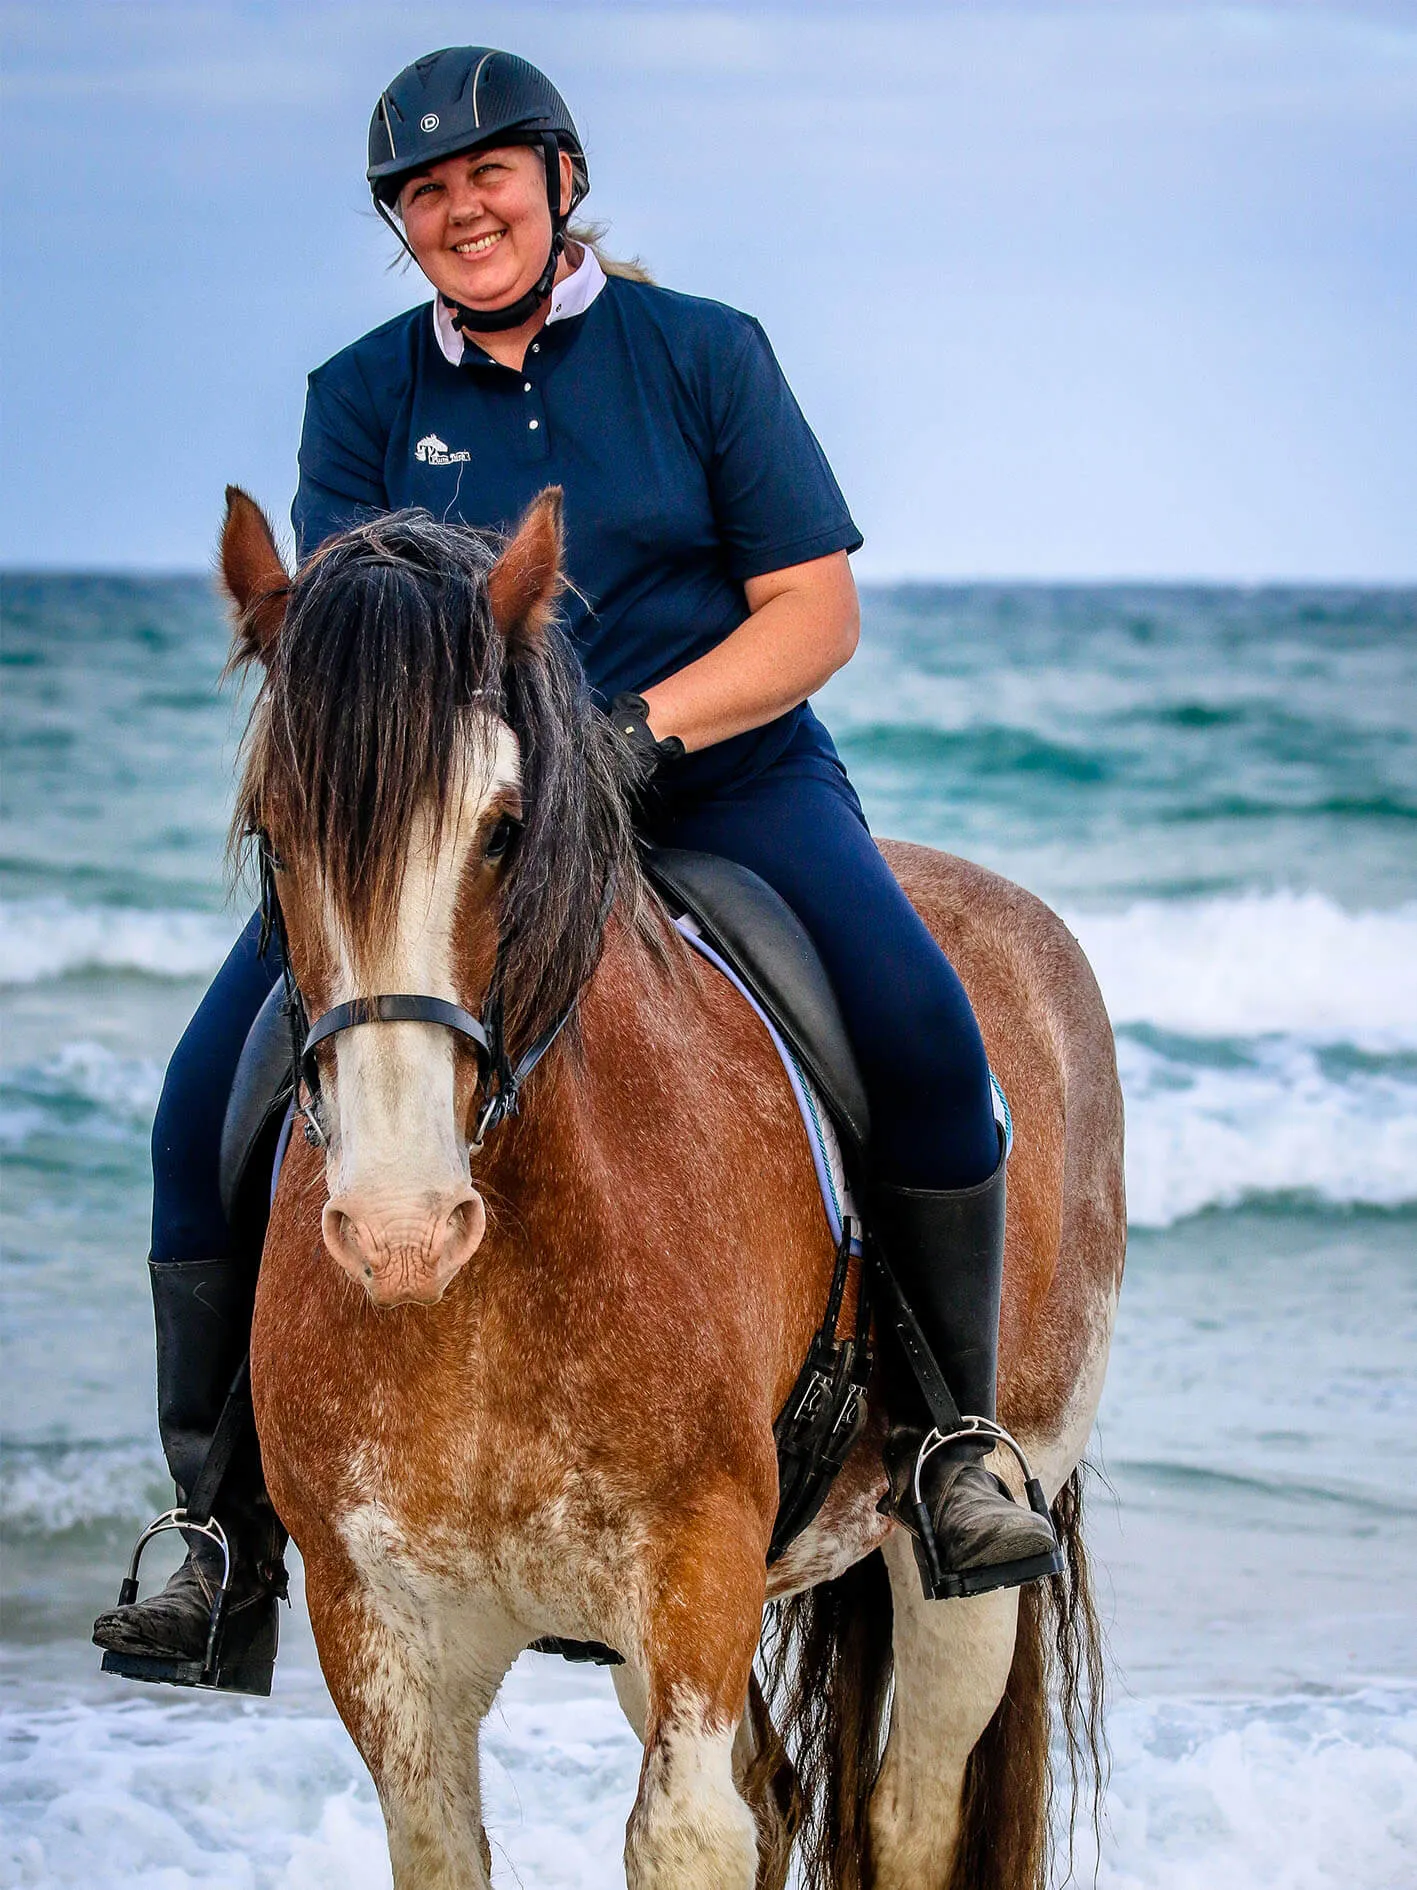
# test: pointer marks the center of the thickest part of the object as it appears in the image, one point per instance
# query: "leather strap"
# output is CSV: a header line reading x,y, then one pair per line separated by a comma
x,y
939,1399
394,1007
236,1414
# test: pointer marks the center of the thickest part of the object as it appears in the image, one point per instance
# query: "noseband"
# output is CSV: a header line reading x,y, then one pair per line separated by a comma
x,y
497,1075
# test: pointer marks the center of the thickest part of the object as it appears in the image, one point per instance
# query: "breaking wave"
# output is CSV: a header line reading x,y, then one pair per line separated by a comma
x,y
1265,962
52,938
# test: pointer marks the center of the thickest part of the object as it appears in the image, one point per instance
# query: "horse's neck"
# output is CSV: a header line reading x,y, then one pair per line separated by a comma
x,y
639,1021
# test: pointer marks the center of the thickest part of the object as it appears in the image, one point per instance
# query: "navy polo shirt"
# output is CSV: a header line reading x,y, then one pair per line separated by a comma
x,y
686,464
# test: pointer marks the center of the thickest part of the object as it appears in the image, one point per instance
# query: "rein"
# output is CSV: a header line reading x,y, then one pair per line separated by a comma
x,y
497,1075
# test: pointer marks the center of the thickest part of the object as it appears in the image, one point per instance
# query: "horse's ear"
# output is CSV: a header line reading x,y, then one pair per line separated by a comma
x,y
526,580
253,576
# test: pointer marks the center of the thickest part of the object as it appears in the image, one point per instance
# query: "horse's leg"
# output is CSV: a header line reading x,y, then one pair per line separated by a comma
x,y
413,1682
690,1828
632,1691
774,1837
952,1661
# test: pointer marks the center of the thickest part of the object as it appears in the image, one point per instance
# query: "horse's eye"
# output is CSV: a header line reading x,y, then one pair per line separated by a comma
x,y
501,837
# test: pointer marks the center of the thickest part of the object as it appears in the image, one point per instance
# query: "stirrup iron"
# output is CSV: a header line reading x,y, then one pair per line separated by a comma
x,y
208,1671
949,1584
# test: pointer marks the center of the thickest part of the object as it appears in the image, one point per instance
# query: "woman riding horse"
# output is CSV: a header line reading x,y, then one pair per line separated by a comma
x,y
707,545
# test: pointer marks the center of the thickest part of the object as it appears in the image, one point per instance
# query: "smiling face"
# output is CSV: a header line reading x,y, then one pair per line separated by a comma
x,y
479,224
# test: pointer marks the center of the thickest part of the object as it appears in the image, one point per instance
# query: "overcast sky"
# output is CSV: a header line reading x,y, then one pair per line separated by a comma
x,y
1066,289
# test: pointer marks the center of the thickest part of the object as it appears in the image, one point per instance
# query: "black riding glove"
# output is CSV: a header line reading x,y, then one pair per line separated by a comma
x,y
629,717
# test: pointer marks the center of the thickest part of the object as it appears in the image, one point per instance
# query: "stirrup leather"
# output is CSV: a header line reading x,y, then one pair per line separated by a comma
x,y
943,1584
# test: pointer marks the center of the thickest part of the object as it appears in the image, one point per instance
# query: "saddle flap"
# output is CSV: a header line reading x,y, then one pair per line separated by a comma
x,y
769,947
259,1094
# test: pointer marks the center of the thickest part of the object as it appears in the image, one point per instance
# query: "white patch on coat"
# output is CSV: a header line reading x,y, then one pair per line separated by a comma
x,y
394,1135
1054,1459
952,1661
690,1829
432,1656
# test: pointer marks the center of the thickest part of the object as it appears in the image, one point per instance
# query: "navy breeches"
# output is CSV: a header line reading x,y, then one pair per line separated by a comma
x,y
188,1223
799,826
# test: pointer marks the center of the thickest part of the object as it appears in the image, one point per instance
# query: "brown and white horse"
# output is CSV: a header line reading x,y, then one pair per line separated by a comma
x,y
530,1391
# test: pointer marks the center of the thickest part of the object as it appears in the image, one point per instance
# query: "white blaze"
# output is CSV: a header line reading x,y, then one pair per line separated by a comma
x,y
395,1141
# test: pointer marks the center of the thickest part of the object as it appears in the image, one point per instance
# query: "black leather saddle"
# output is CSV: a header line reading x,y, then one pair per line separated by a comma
x,y
255,1110
769,947
739,914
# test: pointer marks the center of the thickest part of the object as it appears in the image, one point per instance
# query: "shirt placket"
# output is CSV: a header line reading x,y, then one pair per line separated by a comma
x,y
533,406
530,426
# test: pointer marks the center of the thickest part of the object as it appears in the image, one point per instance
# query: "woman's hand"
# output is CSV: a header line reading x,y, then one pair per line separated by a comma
x,y
804,622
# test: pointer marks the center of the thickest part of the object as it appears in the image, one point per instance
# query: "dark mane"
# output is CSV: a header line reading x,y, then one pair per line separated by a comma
x,y
387,646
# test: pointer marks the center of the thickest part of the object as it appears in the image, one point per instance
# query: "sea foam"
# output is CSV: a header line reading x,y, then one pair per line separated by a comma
x,y
50,1488
1286,961
1272,1121
1282,983
50,938
1292,1794
1242,967
84,1088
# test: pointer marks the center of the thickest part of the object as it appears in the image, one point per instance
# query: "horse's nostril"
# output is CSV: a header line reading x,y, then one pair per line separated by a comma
x,y
463,1229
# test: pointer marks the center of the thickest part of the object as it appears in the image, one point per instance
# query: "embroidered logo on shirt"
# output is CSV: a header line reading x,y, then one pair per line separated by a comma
x,y
434,452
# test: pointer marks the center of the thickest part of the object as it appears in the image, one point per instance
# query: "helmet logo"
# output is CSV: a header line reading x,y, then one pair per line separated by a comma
x,y
428,122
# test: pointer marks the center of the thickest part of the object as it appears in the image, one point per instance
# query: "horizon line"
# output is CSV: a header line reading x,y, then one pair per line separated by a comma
x,y
872,581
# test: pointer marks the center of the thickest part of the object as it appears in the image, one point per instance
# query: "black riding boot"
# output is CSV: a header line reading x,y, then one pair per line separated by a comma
x,y
203,1315
946,1253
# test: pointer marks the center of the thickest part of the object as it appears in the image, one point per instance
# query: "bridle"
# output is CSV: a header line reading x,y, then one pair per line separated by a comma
x,y
497,1075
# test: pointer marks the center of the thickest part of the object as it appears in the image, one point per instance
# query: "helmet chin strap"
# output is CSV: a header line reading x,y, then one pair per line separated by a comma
x,y
487,321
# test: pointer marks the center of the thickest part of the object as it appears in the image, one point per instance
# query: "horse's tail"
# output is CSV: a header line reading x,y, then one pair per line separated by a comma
x,y
827,1674
1006,1828
826,1679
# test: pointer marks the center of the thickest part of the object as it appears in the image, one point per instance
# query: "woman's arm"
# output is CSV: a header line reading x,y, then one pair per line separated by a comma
x,y
803,624
341,469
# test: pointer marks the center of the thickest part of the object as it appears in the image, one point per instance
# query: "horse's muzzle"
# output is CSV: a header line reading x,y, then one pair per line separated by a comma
x,y
404,1253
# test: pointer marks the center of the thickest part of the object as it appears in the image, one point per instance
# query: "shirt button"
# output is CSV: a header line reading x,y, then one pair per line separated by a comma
x,y
526,387
533,425
536,347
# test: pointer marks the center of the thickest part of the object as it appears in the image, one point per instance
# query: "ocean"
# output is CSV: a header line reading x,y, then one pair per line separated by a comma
x,y
1218,789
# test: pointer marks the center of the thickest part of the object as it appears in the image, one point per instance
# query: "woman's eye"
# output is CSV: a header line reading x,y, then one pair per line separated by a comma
x,y
423,190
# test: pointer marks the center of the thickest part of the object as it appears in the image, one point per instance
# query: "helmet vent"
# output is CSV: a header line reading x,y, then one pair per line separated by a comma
x,y
481,68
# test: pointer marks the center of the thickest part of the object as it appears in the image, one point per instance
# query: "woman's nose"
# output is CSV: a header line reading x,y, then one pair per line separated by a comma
x,y
464,204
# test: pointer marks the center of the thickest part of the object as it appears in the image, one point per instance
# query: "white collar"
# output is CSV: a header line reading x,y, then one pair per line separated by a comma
x,y
570,297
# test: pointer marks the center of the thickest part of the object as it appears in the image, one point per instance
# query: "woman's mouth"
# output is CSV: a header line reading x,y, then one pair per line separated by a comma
x,y
478,245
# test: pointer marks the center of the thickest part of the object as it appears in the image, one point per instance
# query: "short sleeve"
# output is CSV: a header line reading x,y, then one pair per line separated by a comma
x,y
775,498
341,468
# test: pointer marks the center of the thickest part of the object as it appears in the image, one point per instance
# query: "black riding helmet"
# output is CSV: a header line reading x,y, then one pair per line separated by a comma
x,y
461,99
